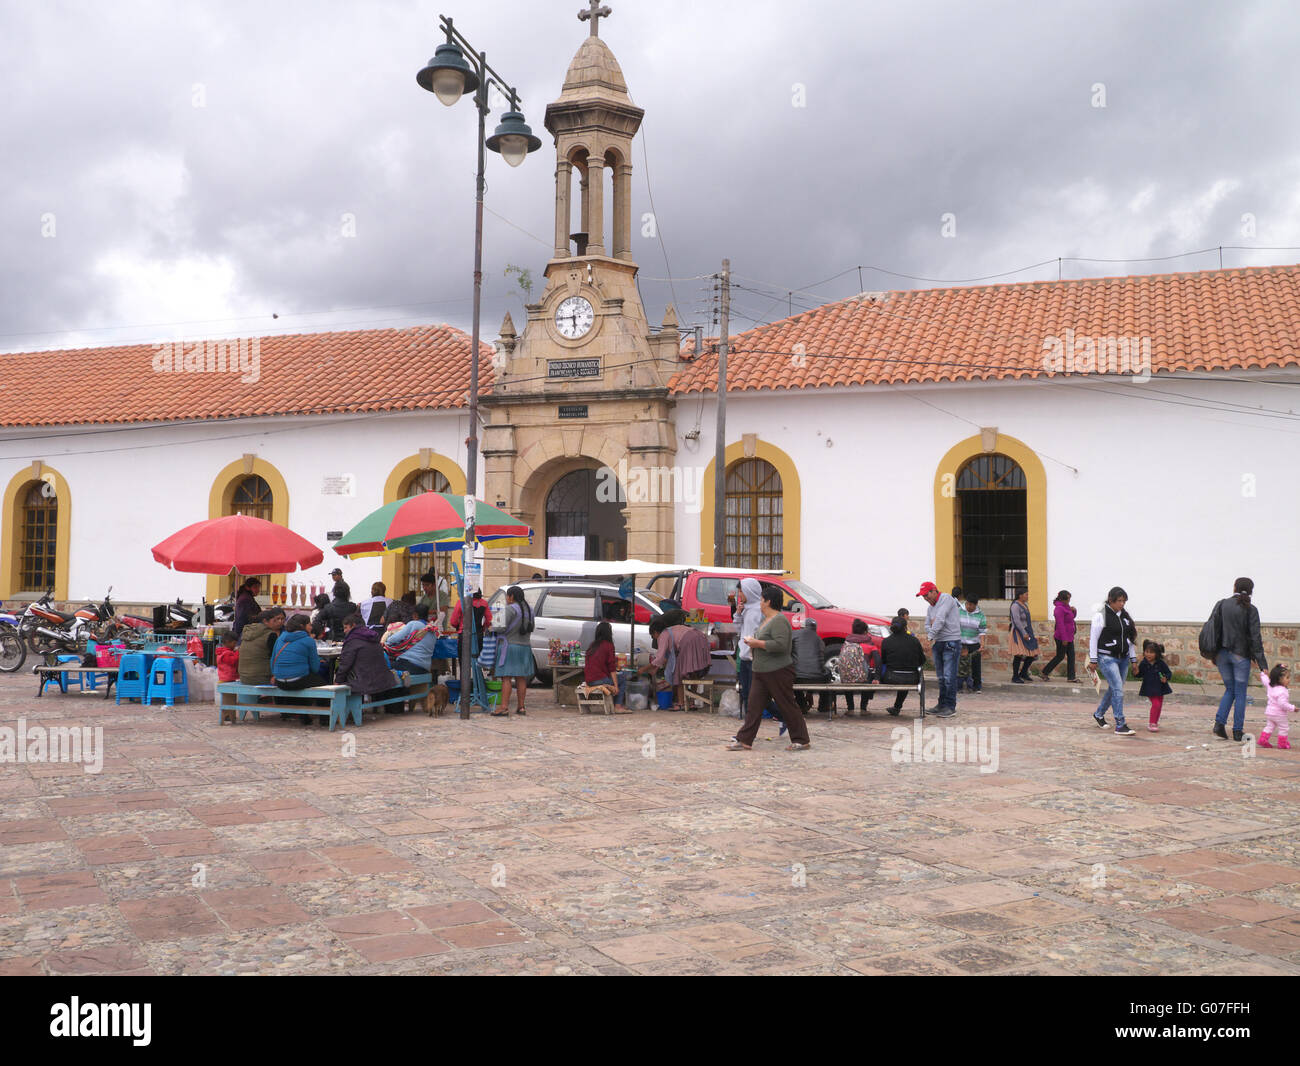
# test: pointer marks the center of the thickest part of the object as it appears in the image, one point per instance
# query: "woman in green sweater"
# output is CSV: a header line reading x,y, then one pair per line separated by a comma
x,y
773,677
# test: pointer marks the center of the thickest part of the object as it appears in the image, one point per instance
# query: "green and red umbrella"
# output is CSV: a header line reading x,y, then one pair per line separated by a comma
x,y
431,521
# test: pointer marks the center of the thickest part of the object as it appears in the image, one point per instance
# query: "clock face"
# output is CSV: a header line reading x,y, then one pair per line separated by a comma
x,y
574,317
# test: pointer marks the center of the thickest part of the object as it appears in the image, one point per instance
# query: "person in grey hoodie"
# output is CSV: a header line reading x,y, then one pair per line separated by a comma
x,y
943,629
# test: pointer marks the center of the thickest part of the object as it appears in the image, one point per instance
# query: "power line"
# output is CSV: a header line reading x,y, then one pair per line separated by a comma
x,y
654,213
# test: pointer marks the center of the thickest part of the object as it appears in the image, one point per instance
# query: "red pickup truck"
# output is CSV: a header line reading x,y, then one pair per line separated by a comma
x,y
715,593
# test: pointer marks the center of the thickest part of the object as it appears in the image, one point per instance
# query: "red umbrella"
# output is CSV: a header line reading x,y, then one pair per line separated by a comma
x,y
237,542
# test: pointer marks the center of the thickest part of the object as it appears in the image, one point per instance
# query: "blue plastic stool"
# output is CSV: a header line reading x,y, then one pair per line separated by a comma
x,y
133,677
82,681
167,681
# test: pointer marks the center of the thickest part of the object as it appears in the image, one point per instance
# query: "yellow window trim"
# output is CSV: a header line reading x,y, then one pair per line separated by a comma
x,y
790,505
221,497
10,562
414,464
945,513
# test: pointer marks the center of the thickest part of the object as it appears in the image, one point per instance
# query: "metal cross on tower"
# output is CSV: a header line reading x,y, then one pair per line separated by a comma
x,y
596,12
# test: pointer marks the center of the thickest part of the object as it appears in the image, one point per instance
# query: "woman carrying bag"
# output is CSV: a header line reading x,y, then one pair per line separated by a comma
x,y
1239,642
515,652
1024,645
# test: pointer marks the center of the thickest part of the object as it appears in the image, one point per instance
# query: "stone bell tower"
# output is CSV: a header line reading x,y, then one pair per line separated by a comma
x,y
584,387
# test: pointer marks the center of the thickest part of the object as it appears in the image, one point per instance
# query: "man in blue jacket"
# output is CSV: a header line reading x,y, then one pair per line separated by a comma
x,y
943,628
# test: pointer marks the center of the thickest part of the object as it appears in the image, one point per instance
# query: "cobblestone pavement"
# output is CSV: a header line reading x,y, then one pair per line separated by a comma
x,y
559,844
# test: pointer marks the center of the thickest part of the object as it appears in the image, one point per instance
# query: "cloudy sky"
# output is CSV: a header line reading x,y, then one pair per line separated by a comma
x,y
192,169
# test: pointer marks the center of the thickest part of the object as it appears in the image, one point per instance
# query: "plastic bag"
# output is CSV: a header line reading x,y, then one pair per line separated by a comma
x,y
729,704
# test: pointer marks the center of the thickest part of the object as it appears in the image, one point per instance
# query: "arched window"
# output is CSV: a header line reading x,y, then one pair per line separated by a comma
x,y
252,496
410,565
38,526
991,530
754,535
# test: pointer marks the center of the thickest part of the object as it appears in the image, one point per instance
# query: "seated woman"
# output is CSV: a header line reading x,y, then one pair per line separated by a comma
x,y
602,663
901,657
363,666
294,662
412,646
682,652
400,611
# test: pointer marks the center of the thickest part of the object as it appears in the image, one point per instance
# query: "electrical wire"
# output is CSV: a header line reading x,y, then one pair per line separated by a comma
x,y
659,232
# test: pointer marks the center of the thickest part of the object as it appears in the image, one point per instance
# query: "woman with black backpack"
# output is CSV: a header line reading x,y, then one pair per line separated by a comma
x,y
1234,627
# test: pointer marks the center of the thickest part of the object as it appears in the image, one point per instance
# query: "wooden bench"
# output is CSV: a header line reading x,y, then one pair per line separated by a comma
x,y
342,702
591,702
868,688
697,694
46,675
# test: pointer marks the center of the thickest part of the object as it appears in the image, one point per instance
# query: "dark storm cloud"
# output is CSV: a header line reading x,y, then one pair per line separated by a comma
x,y
230,160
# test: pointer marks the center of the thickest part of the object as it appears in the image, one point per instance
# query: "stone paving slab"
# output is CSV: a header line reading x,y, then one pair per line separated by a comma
x,y
558,844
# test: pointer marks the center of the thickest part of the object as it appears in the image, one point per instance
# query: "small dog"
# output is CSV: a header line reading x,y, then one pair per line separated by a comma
x,y
437,700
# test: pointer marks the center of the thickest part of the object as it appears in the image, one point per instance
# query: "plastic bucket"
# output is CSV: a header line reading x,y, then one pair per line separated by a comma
x,y
665,699
638,695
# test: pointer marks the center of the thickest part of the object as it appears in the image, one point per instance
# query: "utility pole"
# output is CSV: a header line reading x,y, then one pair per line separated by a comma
x,y
720,456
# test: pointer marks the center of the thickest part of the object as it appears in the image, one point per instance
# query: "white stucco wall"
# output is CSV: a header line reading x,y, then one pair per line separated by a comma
x,y
1161,502
129,490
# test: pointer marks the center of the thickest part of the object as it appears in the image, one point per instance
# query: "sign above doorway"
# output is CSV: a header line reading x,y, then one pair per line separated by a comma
x,y
573,410
573,368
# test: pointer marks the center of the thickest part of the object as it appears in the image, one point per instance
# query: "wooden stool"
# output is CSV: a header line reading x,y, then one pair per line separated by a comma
x,y
590,702
699,694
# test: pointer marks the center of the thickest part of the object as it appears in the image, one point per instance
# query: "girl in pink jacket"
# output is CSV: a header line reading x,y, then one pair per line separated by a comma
x,y
1279,706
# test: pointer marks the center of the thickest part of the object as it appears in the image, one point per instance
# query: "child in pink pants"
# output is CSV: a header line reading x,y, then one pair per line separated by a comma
x,y
1279,706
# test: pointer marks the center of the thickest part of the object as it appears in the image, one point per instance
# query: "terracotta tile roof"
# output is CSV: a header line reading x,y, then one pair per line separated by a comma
x,y
1212,320
421,368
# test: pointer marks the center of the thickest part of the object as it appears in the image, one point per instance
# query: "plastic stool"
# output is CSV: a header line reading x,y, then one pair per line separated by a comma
x,y
132,677
81,680
167,681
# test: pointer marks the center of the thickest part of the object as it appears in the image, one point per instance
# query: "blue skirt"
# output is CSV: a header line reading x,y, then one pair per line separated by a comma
x,y
518,662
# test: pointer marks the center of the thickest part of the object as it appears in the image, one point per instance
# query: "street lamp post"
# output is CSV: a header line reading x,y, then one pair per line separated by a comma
x,y
449,76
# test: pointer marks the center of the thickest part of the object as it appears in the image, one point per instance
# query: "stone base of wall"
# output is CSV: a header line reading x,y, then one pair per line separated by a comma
x,y
1179,639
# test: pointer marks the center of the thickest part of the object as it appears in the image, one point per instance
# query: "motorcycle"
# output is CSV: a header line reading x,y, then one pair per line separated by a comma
x,y
48,630
13,652
183,617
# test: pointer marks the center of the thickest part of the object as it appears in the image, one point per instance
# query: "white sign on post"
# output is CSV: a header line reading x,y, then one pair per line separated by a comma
x,y
469,512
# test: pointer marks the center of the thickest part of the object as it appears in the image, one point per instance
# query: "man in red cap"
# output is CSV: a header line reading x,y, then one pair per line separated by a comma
x,y
943,628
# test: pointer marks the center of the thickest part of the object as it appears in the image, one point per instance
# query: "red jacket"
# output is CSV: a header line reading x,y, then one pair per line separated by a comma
x,y
227,664
601,662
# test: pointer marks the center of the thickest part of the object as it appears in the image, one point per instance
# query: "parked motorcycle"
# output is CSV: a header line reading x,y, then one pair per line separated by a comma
x,y
13,652
181,616
47,630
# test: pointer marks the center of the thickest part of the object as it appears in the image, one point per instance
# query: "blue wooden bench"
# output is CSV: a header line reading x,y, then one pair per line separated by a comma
x,y
235,696
417,688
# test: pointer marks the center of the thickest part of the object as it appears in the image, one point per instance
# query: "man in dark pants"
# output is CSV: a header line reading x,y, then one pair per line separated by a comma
x,y
902,656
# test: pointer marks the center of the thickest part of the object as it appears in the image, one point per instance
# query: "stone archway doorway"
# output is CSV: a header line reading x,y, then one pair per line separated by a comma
x,y
584,516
